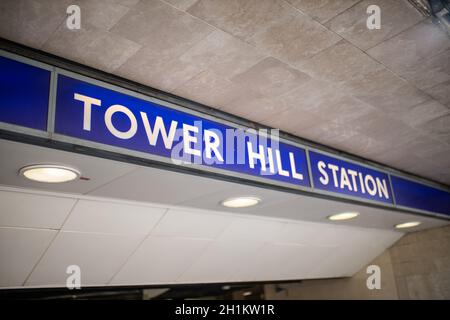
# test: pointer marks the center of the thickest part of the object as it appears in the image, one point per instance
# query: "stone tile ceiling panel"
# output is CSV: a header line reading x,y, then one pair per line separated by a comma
x,y
308,67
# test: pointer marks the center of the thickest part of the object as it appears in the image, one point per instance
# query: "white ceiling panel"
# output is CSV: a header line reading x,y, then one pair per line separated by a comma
x,y
17,155
357,248
193,246
21,210
183,223
149,226
162,186
268,262
99,257
249,229
160,260
300,265
20,250
213,201
108,217
220,262
297,233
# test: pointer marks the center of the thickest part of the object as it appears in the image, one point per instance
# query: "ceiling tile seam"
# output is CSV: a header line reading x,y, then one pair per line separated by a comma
x,y
55,194
209,24
111,181
384,40
284,94
259,251
321,22
119,65
191,265
393,36
142,47
28,228
57,232
259,50
144,204
341,12
102,233
128,8
204,211
393,72
196,18
203,252
364,51
168,236
323,25
432,119
305,126
262,244
188,13
420,131
68,214
44,44
212,241
313,55
28,191
287,93
139,245
439,84
264,55
42,256
298,9
52,34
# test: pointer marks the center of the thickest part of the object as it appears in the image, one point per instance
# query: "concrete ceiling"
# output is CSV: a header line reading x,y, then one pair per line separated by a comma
x,y
308,67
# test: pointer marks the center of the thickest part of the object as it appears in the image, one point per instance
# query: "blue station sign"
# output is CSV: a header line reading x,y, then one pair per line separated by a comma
x,y
411,194
89,112
24,93
344,177
38,99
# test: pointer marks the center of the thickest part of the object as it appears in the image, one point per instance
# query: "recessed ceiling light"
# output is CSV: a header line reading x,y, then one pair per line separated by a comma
x,y
241,202
247,293
49,173
409,224
343,216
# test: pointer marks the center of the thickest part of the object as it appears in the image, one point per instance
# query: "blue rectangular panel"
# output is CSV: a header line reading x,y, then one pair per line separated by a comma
x,y
24,92
347,178
416,195
94,113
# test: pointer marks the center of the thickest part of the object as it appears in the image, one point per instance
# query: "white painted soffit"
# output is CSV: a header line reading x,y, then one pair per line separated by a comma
x,y
117,242
131,225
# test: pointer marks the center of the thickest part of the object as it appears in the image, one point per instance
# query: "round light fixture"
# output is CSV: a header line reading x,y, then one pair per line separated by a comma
x,y
49,173
241,202
343,216
409,224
